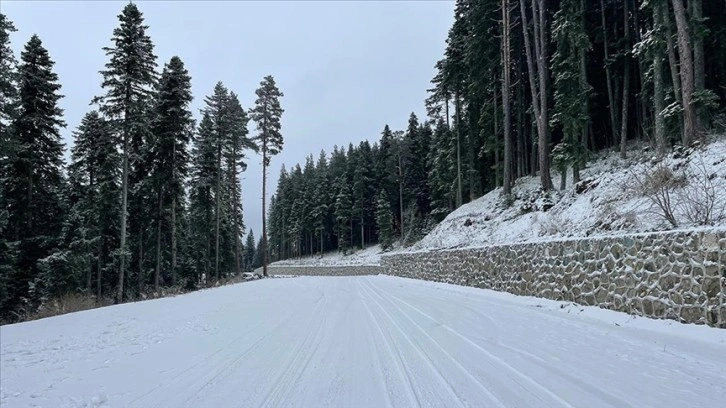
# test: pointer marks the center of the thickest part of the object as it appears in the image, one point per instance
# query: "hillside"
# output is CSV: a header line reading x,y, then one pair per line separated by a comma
x,y
608,200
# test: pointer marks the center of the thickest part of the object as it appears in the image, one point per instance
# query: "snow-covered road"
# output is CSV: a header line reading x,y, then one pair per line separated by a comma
x,y
373,341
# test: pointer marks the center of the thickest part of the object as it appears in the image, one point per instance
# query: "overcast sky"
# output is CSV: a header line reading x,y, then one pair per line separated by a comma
x,y
346,68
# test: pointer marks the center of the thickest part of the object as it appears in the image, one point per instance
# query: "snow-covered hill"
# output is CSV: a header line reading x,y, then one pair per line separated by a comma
x,y
609,200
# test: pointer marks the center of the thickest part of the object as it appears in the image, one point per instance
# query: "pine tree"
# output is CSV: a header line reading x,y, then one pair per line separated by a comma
x,y
321,199
343,213
8,104
249,252
172,127
129,80
442,171
363,189
201,206
571,90
234,155
8,85
93,195
32,177
267,114
384,220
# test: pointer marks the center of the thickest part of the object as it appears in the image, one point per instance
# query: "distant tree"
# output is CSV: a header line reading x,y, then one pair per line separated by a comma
x,y
249,253
343,213
384,219
266,114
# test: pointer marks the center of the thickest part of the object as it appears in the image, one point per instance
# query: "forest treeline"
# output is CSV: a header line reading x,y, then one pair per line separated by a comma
x,y
525,87
149,200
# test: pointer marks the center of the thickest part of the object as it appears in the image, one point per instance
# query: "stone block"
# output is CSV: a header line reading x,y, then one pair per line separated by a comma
x,y
692,314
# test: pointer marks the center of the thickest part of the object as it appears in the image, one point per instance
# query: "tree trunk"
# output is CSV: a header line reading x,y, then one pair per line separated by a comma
x,y
99,271
173,217
539,88
141,259
124,207
235,212
217,200
459,193
642,118
583,85
400,191
264,218
699,69
608,75
506,72
658,94
691,132
157,271
173,241
626,83
89,275
673,63
521,141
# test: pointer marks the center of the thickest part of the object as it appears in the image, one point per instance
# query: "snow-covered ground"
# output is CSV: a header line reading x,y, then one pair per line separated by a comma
x,y
373,341
613,205
367,256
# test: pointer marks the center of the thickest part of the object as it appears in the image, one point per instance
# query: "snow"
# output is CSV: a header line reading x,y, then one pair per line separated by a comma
x,y
369,341
613,206
367,256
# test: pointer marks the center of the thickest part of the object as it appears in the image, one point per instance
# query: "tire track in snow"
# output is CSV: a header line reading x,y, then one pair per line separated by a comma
x,y
215,371
495,400
610,398
491,356
419,351
296,366
402,372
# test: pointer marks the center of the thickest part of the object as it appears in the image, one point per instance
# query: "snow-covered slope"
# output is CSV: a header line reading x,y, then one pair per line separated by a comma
x,y
610,201
367,256
373,341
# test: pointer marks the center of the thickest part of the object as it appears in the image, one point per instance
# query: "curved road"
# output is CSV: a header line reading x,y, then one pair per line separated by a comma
x,y
372,341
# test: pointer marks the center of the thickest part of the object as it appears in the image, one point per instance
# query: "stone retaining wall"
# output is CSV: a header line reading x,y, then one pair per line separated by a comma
x,y
353,270
674,275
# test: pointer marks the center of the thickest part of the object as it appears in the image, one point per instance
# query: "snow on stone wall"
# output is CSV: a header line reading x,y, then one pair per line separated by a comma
x,y
677,275
352,270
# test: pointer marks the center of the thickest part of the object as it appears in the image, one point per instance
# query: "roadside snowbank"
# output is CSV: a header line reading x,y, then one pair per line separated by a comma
x,y
370,256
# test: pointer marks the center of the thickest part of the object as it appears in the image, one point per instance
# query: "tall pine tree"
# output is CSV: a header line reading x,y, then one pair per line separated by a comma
x,y
129,80
171,128
32,177
267,114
